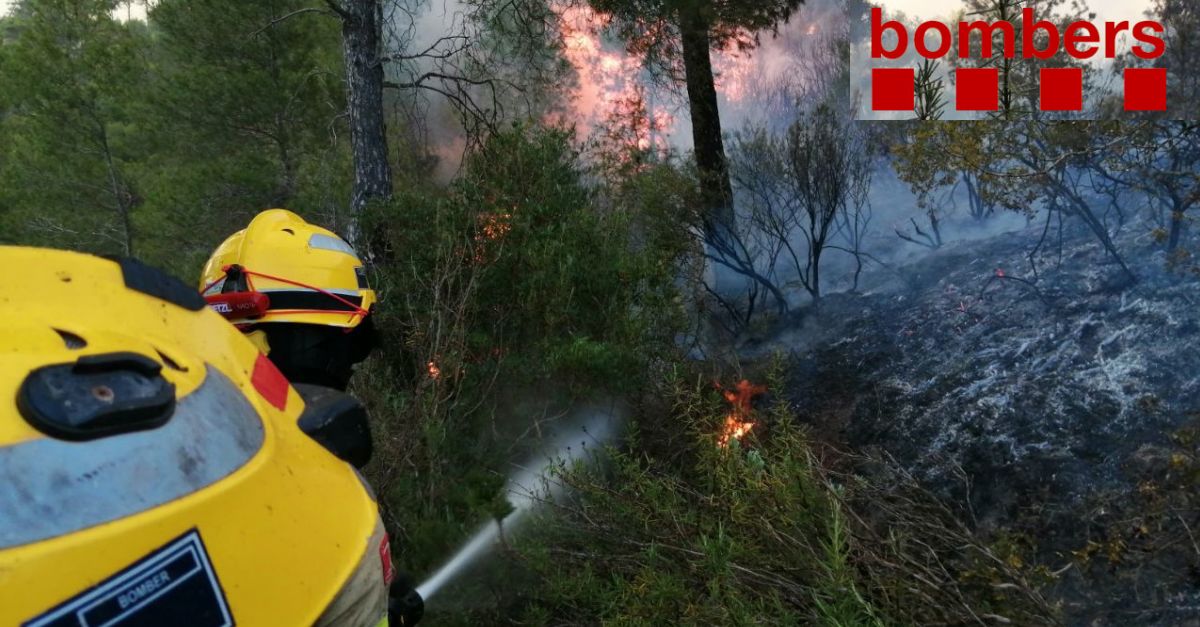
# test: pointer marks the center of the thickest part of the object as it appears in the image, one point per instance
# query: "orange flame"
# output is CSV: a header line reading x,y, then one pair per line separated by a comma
x,y
609,77
495,225
733,69
737,422
492,228
435,373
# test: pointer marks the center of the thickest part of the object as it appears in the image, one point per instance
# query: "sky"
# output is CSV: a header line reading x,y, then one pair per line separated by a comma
x,y
137,11
1106,10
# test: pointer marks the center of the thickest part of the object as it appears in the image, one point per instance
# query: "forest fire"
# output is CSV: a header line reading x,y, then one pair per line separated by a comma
x,y
610,77
734,69
606,77
737,421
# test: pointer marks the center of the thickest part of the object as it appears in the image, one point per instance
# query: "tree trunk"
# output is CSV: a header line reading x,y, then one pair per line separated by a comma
x,y
361,43
716,189
815,290
1084,211
122,198
1176,230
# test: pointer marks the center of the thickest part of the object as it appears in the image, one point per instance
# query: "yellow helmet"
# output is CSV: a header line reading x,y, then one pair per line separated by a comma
x,y
144,440
299,291
283,269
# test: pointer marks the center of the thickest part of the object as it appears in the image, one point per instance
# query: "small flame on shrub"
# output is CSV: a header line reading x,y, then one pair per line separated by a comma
x,y
492,229
737,421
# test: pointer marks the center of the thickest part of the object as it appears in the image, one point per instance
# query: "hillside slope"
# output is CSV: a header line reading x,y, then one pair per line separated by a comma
x,y
1058,410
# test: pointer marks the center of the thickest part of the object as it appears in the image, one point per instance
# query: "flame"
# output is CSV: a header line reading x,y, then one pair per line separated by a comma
x,y
495,225
633,124
607,74
733,69
737,422
609,79
435,373
492,228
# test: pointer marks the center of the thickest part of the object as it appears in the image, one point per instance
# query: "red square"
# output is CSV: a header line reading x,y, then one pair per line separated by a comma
x,y
1061,89
893,89
977,89
270,383
1145,89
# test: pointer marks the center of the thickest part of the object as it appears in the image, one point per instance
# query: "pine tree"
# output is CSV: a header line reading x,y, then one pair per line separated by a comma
x,y
676,37
71,137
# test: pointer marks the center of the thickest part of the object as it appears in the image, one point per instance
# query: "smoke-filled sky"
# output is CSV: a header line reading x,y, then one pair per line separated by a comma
x,y
133,11
1106,10
1127,8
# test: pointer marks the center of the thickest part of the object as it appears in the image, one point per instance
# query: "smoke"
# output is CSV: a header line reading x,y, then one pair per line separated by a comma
x,y
411,28
761,87
606,76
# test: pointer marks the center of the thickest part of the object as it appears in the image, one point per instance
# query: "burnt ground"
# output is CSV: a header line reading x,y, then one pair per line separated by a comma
x,y
1060,410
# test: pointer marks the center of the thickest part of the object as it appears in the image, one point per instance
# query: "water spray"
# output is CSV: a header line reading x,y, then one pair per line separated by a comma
x,y
528,486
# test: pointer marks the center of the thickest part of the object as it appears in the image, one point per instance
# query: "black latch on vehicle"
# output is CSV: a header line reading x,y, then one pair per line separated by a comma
x,y
97,396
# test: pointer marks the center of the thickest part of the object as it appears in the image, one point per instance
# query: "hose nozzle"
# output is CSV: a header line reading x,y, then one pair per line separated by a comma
x,y
405,605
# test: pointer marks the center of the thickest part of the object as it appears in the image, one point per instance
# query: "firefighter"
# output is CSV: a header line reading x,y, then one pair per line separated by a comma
x,y
299,292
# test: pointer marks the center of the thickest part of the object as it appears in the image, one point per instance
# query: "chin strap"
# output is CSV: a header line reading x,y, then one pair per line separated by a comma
x,y
254,304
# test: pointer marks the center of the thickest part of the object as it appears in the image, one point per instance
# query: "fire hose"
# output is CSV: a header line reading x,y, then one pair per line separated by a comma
x,y
405,605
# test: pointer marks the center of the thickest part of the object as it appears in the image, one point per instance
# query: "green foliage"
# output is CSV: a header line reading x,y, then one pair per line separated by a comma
x,y
526,284
508,292
931,99
241,117
750,534
554,283
159,139
766,531
71,73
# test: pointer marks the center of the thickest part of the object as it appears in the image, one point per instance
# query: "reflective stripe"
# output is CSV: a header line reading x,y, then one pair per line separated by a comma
x,y
350,294
300,299
53,487
326,242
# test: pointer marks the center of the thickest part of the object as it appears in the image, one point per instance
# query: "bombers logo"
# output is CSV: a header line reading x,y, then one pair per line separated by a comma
x,y
977,88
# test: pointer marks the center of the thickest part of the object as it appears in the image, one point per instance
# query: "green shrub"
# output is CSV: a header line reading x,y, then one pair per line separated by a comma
x,y
513,287
747,534
774,529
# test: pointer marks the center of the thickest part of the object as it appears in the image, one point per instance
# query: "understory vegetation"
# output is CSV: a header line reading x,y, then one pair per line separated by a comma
x,y
671,527
521,290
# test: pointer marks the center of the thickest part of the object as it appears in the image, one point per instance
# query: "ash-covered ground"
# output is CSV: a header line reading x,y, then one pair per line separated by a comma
x,y
1058,409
